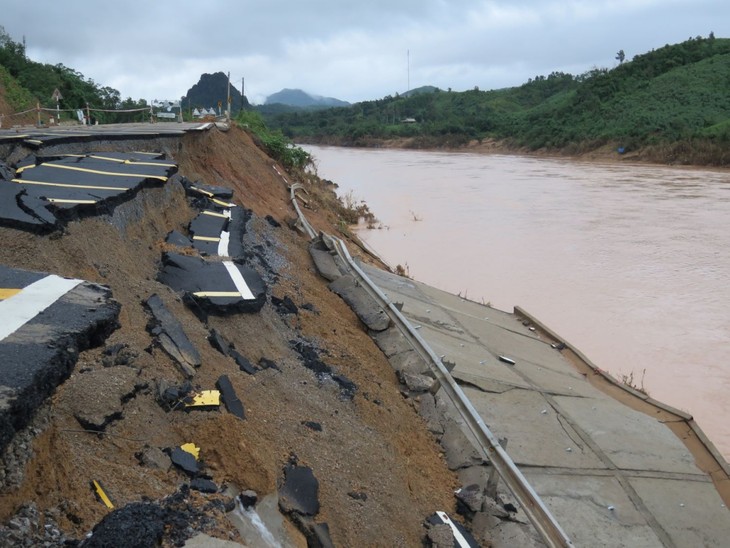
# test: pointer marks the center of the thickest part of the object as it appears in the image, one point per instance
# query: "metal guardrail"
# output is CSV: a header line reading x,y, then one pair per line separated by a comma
x,y
488,444
533,506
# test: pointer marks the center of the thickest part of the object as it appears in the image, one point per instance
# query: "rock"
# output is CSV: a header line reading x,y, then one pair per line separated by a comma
x,y
416,382
358,495
284,306
317,427
154,457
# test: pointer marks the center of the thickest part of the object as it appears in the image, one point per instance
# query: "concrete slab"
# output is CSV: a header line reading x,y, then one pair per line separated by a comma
x,y
535,438
631,440
691,513
610,475
594,511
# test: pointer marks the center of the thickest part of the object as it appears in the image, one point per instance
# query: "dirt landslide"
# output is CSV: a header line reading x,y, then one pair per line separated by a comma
x,y
380,472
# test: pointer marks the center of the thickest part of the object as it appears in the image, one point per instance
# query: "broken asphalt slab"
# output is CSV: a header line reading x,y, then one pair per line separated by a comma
x,y
47,321
217,287
230,399
171,337
87,184
299,491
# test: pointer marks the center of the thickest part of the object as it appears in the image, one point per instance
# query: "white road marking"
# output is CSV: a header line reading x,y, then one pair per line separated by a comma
x,y
19,309
238,281
223,244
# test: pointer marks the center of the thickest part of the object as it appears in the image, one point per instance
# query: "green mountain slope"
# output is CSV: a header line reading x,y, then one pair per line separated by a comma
x,y
677,93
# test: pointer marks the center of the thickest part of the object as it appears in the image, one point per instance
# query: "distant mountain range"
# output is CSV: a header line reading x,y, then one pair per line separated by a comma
x,y
302,99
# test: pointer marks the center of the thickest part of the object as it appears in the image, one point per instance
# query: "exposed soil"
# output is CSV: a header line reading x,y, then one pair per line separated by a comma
x,y
374,443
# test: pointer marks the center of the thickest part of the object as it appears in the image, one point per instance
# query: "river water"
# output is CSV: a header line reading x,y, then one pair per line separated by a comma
x,y
630,263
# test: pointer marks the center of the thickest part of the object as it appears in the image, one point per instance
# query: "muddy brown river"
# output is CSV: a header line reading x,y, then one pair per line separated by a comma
x,y
630,263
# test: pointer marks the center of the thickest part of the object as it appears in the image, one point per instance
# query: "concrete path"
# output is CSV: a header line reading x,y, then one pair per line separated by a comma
x,y
610,475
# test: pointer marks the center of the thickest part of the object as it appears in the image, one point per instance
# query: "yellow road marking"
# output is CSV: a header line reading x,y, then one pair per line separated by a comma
x,y
206,238
64,185
195,188
35,141
98,172
192,449
102,495
224,204
217,294
7,292
214,214
205,398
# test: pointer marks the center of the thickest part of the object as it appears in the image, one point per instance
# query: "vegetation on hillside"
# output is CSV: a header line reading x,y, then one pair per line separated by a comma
x,y
274,143
27,82
675,94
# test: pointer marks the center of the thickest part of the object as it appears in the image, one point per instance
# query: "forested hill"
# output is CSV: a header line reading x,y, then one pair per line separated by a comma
x,y
674,98
26,82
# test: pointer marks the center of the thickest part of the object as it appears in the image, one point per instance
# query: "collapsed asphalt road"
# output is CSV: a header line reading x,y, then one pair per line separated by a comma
x,y
295,373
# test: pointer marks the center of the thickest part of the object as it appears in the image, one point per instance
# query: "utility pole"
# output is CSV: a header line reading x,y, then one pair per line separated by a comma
x,y
228,90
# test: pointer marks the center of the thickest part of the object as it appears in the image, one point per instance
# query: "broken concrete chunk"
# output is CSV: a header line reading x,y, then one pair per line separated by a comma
x,y
230,399
459,451
361,303
417,383
171,336
471,497
325,264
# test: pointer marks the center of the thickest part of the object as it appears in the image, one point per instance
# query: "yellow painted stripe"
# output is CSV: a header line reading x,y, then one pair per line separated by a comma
x,y
214,214
195,188
14,136
62,201
63,185
192,449
206,238
217,294
22,169
7,292
221,203
102,495
35,141
205,398
147,153
98,172
138,163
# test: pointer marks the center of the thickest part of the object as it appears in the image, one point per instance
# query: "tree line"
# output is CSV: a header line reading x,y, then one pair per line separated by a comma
x,y
677,93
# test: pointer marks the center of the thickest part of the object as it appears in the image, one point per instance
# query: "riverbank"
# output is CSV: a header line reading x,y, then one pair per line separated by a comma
x,y
704,154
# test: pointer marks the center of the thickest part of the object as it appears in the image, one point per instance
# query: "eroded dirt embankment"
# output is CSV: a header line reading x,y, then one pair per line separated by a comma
x,y
372,444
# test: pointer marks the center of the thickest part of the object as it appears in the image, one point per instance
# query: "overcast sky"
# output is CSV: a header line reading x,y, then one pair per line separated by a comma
x,y
354,51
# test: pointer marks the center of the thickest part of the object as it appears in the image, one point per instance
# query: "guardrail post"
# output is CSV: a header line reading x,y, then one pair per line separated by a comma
x,y
491,490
